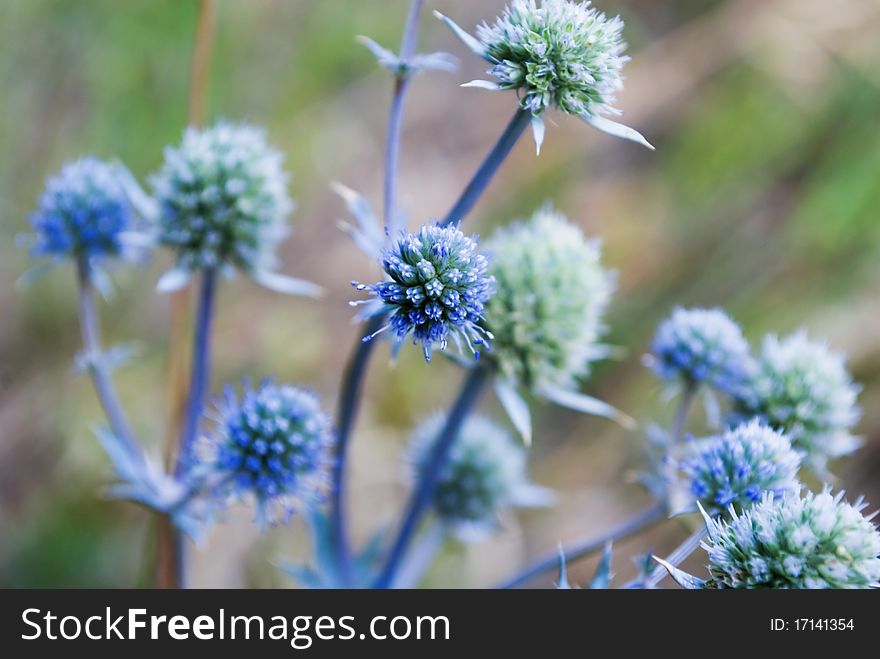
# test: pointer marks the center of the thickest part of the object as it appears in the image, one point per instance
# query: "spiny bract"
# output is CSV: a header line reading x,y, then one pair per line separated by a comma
x,y
741,465
274,443
803,388
559,53
551,294
439,286
814,541
84,212
484,475
701,346
223,199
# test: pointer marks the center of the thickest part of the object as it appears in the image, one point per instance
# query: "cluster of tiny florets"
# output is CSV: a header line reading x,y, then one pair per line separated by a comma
x,y
484,474
551,295
223,199
814,541
557,53
803,388
438,289
701,346
84,212
275,443
740,466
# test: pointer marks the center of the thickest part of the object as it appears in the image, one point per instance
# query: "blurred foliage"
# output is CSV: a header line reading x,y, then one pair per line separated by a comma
x,y
763,197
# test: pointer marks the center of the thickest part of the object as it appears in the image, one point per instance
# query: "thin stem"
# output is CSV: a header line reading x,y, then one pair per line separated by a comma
x,y
169,570
91,336
676,430
349,402
490,165
421,497
642,521
356,369
678,555
201,367
395,123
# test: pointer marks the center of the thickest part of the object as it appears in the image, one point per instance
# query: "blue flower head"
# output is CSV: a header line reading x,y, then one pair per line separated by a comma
x,y
484,475
274,443
813,541
740,466
85,213
438,288
803,388
701,346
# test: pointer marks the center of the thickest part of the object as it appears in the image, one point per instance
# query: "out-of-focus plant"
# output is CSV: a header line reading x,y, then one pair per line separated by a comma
x,y
528,305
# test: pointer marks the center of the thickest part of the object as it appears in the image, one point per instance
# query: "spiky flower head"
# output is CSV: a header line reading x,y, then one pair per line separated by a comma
x,y
223,201
551,295
273,443
555,53
438,289
803,388
814,541
738,467
85,213
484,475
701,346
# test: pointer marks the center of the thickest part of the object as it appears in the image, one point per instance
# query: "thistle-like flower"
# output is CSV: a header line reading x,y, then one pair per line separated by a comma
x,y
814,541
701,346
546,315
558,53
740,466
803,388
438,288
85,213
223,204
484,475
275,443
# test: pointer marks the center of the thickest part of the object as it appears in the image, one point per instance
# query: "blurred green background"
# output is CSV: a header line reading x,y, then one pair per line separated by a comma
x,y
762,197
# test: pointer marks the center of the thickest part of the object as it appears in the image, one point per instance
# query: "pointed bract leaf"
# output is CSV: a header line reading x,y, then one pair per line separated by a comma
x,y
143,204
287,285
33,274
384,56
580,402
602,578
483,84
562,580
617,130
538,132
682,578
438,61
469,41
516,407
174,280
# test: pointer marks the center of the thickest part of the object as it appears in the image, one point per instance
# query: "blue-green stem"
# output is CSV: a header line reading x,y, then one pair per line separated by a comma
x,y
201,368
480,180
395,118
356,369
421,497
640,522
349,401
91,337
